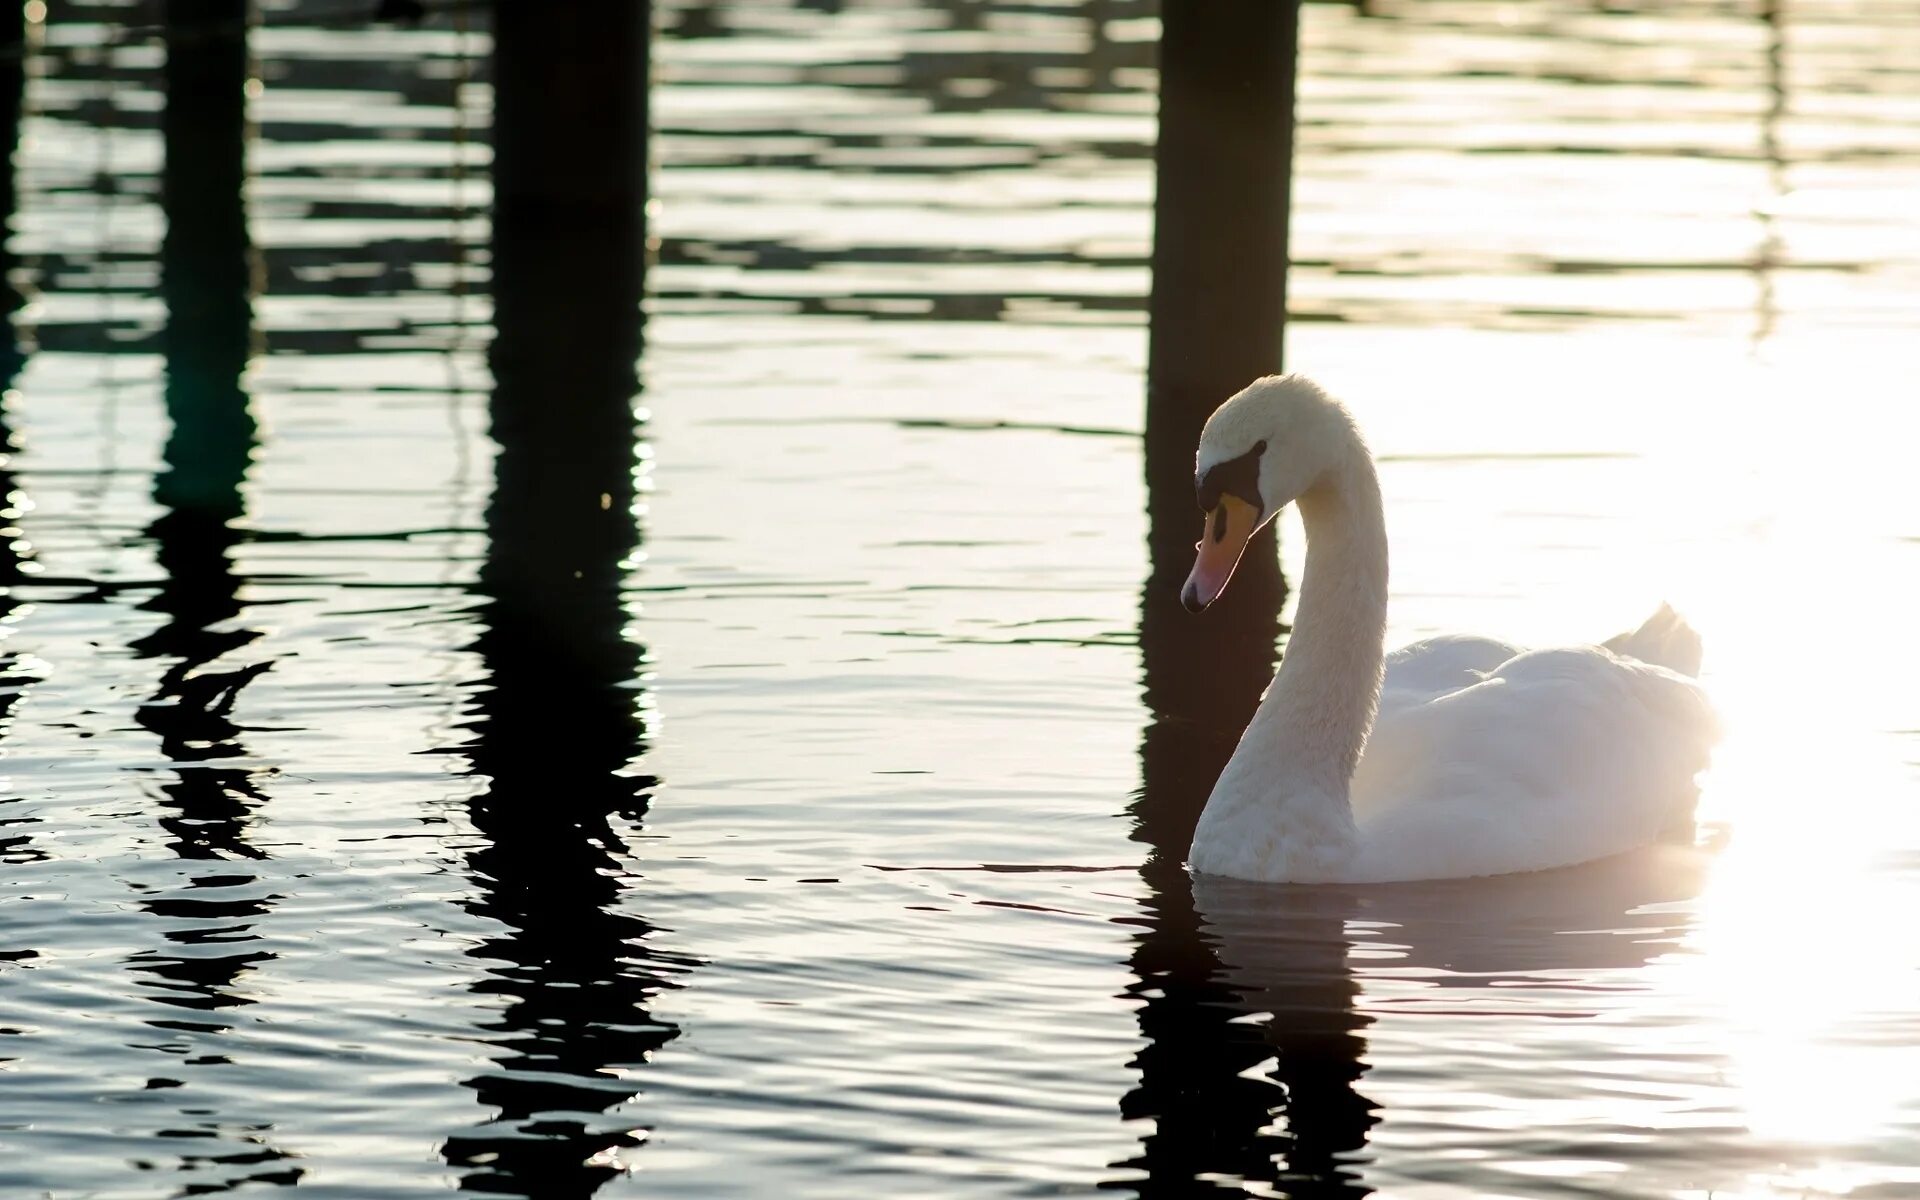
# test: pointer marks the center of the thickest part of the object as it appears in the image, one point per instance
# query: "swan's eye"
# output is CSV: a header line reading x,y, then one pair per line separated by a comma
x,y
1220,523
1234,477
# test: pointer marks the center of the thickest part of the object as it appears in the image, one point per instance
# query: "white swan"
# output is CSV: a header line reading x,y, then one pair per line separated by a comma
x,y
1484,759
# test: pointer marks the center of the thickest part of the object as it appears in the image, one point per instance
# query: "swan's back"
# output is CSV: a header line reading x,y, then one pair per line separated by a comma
x,y
1539,760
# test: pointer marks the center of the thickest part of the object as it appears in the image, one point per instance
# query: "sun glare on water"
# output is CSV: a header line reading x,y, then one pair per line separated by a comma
x,y
1803,948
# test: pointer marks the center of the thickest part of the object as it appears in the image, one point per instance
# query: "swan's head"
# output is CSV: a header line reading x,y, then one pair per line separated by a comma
x,y
1259,452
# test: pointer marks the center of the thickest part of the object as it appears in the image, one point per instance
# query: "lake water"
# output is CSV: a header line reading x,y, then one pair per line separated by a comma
x,y
828,877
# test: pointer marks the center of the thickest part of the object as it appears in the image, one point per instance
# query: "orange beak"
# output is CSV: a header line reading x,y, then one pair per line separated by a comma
x,y
1221,543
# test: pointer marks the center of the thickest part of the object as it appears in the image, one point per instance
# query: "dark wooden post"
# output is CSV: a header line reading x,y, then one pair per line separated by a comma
x,y
1218,312
569,244
1222,169
569,241
1222,176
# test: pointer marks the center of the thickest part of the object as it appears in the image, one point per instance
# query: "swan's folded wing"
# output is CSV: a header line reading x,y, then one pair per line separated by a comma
x,y
1556,757
1445,663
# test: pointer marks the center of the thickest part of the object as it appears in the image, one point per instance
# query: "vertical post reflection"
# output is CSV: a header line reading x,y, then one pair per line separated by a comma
x,y
557,724
13,31
206,281
1222,173
14,846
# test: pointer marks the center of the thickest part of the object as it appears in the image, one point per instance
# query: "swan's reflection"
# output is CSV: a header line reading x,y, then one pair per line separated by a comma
x,y
1280,1020
1253,1029
1616,913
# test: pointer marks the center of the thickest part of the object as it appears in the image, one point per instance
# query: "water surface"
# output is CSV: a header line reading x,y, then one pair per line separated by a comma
x,y
824,861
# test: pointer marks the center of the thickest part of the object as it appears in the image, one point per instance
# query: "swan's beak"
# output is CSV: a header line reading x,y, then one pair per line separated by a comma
x,y
1225,536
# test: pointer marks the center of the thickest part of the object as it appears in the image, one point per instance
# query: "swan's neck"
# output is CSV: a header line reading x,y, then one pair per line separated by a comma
x,y
1286,788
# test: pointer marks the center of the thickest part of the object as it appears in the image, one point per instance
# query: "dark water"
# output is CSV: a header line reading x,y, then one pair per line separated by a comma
x,y
385,811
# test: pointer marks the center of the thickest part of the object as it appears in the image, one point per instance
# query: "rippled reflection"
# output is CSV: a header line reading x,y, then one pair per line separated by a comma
x,y
210,915
206,281
16,840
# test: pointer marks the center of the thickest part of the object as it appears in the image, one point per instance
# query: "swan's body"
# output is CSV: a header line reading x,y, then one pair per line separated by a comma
x,y
1483,759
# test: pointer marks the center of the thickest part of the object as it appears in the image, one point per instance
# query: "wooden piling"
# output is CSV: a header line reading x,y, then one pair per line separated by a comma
x,y
1218,312
1222,177
569,243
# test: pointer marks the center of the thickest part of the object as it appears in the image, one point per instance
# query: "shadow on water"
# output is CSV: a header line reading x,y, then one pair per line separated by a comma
x,y
557,726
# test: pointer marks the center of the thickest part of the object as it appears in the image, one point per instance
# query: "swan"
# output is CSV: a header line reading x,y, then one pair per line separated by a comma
x,y
1483,759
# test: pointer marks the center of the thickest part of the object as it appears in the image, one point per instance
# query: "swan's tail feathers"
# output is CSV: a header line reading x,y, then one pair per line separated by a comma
x,y
1666,640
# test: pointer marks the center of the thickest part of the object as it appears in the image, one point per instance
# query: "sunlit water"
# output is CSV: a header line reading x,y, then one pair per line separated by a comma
x,y
1624,297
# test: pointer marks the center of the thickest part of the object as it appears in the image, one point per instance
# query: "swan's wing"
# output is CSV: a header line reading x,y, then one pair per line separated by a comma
x,y
1555,757
1445,663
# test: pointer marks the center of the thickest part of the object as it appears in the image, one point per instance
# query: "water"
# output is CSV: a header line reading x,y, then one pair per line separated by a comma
x,y
829,871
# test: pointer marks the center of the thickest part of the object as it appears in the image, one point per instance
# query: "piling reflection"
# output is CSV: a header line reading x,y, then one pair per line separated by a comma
x,y
205,279
16,844
13,29
206,276
16,841
1202,679
557,725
